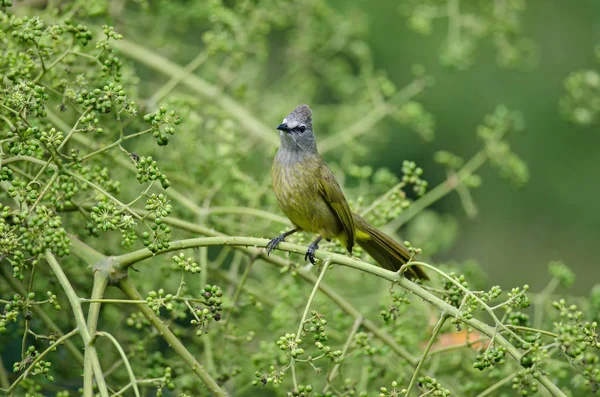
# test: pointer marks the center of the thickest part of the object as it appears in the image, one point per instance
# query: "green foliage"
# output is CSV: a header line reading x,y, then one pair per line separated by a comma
x,y
110,154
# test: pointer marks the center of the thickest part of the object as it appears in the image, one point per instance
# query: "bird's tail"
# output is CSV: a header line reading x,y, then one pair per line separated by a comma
x,y
388,253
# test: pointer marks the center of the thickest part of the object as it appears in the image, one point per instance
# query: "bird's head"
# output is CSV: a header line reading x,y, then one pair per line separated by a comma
x,y
296,131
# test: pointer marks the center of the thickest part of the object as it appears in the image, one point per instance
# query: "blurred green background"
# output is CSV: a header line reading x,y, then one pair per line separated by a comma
x,y
557,214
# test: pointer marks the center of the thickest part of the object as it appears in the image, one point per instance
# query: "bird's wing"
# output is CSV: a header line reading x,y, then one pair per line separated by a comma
x,y
334,197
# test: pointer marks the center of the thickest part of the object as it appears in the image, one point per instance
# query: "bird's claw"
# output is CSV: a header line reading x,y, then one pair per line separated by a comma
x,y
310,253
274,243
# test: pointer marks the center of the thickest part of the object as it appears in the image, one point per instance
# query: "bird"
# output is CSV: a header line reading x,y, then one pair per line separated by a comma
x,y
309,195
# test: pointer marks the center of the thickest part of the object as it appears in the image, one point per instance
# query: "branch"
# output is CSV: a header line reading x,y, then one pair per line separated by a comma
x,y
172,340
131,258
369,121
202,87
438,192
132,378
38,358
91,353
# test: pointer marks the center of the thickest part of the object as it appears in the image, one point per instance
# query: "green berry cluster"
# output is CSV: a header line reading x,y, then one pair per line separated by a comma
x,y
561,272
300,391
106,216
157,300
503,25
448,159
5,4
23,140
454,294
433,387
186,264
163,124
11,311
414,115
27,29
581,102
526,381
26,97
489,358
412,176
363,342
212,308
393,392
42,230
165,382
398,300
159,236
137,321
109,34
274,377
496,126
81,33
41,367
290,343
518,297
147,170
105,99
158,205
89,123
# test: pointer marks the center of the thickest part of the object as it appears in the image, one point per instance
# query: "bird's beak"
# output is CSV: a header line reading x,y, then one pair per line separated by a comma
x,y
283,127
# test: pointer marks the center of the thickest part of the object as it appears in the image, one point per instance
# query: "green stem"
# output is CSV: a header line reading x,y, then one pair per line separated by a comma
x,y
172,340
91,355
117,345
98,288
163,91
334,371
38,358
151,59
434,335
369,121
131,258
305,315
497,385
438,192
541,300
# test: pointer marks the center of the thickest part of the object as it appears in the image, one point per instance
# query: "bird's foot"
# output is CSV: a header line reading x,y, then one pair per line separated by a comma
x,y
274,243
310,252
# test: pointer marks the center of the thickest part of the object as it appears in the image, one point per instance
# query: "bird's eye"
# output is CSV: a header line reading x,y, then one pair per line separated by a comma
x,y
302,128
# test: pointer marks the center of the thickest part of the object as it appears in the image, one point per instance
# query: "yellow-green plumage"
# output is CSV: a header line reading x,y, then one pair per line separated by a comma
x,y
309,195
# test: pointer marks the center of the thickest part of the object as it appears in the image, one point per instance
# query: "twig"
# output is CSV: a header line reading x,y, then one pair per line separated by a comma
x,y
497,385
172,340
125,361
38,358
334,371
305,314
91,355
434,335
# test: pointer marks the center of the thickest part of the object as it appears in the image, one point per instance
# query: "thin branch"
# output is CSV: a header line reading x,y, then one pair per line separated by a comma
x,y
41,314
163,65
434,335
38,359
438,192
91,353
134,257
125,361
172,340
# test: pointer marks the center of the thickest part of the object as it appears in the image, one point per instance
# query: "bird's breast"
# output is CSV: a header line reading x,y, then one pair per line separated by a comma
x,y
295,184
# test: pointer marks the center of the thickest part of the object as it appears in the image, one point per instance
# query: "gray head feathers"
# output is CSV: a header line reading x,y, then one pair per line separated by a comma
x,y
302,114
296,132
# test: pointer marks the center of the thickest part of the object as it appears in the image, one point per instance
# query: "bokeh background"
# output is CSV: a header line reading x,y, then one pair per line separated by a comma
x,y
556,215
517,231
